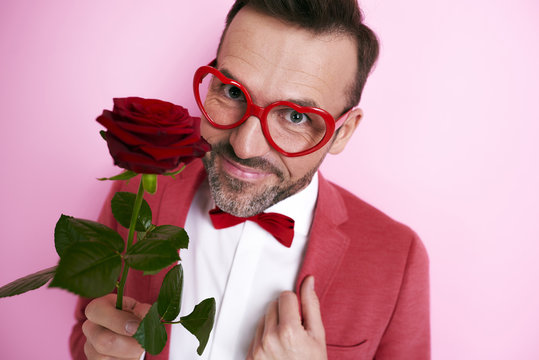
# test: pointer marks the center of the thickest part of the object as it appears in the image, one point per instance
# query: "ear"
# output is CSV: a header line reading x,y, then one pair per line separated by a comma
x,y
344,133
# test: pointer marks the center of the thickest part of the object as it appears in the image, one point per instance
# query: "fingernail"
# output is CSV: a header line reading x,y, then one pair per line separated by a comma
x,y
131,327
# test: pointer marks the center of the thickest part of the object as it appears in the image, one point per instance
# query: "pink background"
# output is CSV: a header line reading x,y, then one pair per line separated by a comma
x,y
448,145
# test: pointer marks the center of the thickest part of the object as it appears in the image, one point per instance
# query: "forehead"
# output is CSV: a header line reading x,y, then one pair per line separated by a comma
x,y
276,60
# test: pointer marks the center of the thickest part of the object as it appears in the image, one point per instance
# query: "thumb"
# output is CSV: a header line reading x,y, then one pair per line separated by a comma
x,y
102,311
310,307
136,308
141,309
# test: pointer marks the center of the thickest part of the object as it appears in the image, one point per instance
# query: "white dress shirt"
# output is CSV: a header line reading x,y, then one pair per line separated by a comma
x,y
243,267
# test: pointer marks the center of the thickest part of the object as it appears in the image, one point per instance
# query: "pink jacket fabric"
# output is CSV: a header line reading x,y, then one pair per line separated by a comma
x,y
371,272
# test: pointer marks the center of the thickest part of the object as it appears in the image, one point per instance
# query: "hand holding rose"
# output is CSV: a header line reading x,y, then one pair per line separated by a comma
x,y
109,331
281,334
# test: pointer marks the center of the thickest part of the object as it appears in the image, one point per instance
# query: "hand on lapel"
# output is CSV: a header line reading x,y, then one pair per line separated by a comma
x,y
282,335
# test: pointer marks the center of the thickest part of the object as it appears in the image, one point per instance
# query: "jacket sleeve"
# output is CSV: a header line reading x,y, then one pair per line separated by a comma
x,y
408,333
77,338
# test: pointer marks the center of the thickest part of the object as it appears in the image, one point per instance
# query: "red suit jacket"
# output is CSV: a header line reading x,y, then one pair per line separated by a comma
x,y
371,272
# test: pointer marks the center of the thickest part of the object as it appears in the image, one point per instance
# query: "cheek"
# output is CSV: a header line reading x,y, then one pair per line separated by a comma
x,y
211,134
298,167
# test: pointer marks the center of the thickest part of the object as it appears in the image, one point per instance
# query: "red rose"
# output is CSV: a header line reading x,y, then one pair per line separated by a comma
x,y
151,136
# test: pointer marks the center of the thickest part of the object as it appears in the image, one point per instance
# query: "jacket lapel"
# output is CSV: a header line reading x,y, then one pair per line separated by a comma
x,y
327,243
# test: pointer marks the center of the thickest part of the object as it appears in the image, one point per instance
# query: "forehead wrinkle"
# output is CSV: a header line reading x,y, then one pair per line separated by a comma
x,y
221,65
306,80
244,49
285,88
309,99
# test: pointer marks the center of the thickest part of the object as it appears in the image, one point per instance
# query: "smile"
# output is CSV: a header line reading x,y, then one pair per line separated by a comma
x,y
242,172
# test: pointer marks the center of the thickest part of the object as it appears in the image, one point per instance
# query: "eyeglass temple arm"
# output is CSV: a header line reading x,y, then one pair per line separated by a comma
x,y
340,121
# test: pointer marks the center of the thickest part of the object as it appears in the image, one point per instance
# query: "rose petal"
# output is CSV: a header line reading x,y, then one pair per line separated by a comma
x,y
151,136
157,130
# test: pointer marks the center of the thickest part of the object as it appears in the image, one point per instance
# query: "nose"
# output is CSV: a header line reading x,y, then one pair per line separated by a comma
x,y
248,139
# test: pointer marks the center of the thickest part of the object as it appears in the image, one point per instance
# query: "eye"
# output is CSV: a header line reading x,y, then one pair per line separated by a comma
x,y
296,117
233,92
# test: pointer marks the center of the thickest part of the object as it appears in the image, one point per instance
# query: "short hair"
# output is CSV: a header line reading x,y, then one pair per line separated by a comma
x,y
320,17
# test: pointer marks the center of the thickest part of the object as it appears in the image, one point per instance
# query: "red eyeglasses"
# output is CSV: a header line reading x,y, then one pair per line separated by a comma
x,y
291,129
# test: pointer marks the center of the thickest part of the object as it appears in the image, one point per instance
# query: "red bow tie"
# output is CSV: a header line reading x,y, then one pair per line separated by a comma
x,y
278,225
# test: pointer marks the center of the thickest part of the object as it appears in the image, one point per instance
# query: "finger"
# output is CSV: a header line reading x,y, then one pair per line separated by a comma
x,y
257,339
311,309
103,343
102,311
270,319
92,354
289,309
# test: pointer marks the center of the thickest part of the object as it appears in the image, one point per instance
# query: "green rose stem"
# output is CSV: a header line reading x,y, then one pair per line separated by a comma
x,y
134,216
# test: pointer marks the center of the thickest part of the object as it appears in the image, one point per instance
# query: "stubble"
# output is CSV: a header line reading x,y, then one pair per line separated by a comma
x,y
245,199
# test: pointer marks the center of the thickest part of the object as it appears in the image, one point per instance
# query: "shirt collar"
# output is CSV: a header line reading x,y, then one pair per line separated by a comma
x,y
299,207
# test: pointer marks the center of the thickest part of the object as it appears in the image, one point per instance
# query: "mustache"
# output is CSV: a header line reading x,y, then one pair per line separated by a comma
x,y
226,150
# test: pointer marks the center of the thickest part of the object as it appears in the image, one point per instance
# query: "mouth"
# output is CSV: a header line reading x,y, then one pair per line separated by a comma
x,y
242,172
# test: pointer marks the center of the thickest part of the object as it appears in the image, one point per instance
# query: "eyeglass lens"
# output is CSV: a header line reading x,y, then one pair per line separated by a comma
x,y
291,130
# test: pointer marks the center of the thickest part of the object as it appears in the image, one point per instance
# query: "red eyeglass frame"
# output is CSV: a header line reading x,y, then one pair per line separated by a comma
x,y
262,112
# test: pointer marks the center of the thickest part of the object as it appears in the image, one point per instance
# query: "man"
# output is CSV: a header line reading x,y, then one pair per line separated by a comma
x,y
360,277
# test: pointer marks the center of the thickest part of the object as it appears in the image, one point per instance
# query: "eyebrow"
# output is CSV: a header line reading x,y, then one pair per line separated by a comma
x,y
228,74
301,102
304,102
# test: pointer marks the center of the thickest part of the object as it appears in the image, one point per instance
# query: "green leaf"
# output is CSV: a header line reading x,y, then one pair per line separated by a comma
x,y
151,333
89,269
141,235
170,295
70,230
126,175
200,322
173,174
122,207
151,255
152,272
149,181
27,283
177,235
103,134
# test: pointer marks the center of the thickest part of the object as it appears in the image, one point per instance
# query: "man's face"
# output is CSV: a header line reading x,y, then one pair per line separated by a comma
x,y
274,61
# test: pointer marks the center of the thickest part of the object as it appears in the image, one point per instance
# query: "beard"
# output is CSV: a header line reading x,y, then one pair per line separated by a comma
x,y
242,198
